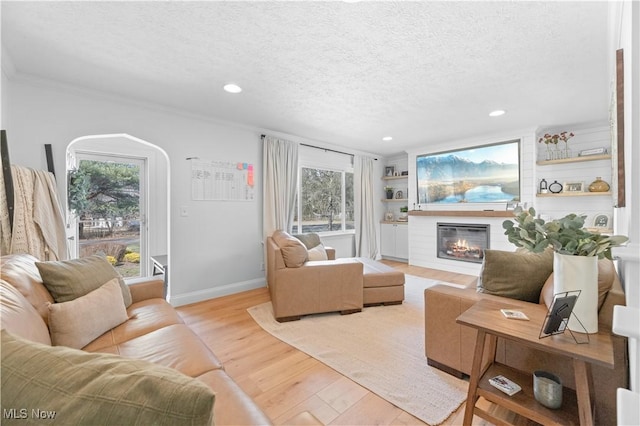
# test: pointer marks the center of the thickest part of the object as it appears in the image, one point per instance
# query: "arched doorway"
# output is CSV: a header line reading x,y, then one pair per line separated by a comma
x,y
118,201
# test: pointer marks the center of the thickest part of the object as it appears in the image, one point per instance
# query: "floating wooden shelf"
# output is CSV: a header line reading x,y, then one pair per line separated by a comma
x,y
462,213
575,194
394,222
574,159
394,177
391,200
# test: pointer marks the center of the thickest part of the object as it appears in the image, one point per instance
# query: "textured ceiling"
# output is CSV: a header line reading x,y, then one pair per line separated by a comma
x,y
343,73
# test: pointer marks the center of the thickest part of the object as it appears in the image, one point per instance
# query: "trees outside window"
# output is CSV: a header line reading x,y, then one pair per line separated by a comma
x,y
325,201
106,195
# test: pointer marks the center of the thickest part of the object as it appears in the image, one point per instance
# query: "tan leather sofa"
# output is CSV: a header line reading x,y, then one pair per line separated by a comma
x,y
333,285
450,346
154,332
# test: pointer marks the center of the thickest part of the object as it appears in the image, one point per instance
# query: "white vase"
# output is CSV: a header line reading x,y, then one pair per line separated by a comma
x,y
572,273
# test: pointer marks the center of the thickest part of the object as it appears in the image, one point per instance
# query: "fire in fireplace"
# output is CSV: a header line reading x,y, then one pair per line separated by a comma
x,y
464,242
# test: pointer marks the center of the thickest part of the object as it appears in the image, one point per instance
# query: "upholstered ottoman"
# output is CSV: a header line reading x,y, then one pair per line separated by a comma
x,y
382,285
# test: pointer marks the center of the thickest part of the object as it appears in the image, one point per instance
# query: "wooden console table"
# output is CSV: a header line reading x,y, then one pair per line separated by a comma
x,y
485,316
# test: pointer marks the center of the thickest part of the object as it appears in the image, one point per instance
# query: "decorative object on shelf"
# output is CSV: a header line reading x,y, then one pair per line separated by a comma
x,y
592,151
547,389
555,187
556,153
601,220
544,188
575,260
511,205
389,170
404,173
399,195
396,173
565,136
389,191
403,214
388,216
573,187
599,185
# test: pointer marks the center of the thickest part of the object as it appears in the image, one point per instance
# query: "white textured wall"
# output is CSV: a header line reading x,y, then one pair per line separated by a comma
x,y
217,248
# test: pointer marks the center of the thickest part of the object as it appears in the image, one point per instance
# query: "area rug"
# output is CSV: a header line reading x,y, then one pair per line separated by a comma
x,y
380,348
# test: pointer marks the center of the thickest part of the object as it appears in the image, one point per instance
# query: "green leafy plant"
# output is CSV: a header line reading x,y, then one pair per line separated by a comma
x,y
566,235
404,209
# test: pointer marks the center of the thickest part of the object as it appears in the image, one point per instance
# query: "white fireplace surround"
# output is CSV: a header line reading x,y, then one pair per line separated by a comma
x,y
423,237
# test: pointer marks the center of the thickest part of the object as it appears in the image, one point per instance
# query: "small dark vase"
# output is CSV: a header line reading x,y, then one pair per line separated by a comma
x,y
390,195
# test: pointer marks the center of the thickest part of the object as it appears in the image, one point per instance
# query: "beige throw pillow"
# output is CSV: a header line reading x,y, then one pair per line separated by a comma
x,y
80,321
516,275
69,279
318,253
294,253
98,389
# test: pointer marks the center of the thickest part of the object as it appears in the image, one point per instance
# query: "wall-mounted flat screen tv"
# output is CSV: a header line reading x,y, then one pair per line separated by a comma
x,y
481,174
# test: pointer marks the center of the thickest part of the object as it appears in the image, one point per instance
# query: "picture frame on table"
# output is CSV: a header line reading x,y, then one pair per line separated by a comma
x,y
389,171
573,187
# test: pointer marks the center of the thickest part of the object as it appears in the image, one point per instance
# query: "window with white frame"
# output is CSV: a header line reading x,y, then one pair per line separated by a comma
x,y
325,192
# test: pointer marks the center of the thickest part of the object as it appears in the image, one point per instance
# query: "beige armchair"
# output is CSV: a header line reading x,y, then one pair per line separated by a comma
x,y
301,287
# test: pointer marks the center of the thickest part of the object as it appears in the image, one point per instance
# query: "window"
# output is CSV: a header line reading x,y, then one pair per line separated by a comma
x,y
325,192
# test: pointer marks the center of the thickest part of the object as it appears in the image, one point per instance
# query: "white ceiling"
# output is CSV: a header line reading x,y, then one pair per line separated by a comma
x,y
344,73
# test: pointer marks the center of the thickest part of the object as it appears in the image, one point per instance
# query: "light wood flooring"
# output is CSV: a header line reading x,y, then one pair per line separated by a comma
x,y
287,383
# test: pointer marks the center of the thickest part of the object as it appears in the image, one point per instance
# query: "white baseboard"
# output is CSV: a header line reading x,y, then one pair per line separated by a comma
x,y
212,293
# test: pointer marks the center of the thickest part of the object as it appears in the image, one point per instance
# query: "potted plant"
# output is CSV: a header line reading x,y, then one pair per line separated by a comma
x,y
576,252
389,191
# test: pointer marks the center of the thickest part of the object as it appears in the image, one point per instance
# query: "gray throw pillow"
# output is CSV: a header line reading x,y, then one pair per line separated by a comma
x,y
69,279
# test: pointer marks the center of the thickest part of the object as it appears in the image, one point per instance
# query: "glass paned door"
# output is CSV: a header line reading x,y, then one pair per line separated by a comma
x,y
109,205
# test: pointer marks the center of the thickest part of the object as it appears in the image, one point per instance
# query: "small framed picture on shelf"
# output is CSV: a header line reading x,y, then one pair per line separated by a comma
x,y
573,187
602,220
389,171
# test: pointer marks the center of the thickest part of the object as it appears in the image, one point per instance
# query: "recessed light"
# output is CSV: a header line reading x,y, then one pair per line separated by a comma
x,y
497,113
232,88
387,138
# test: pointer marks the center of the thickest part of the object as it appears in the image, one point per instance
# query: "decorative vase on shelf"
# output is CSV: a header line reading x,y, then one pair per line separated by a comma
x,y
572,273
599,185
389,194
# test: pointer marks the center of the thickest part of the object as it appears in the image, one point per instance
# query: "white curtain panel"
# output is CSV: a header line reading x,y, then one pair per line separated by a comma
x,y
366,241
280,177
